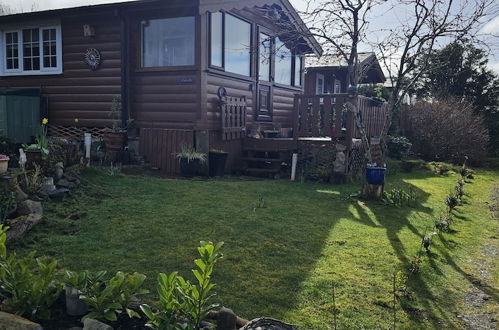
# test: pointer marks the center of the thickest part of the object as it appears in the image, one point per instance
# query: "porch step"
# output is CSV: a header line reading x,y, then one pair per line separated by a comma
x,y
253,170
264,159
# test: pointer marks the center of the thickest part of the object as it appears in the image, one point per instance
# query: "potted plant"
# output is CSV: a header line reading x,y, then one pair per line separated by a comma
x,y
114,138
217,159
36,152
190,161
4,163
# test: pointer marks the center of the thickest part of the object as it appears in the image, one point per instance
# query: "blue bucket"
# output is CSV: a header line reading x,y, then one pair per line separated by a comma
x,y
375,175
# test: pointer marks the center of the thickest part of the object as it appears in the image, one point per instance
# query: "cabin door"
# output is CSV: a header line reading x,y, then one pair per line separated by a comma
x,y
264,78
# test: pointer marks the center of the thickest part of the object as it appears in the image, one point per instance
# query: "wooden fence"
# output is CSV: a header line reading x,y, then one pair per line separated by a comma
x,y
160,147
373,116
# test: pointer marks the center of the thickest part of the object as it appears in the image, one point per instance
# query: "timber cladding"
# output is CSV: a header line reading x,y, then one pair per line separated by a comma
x,y
160,147
80,92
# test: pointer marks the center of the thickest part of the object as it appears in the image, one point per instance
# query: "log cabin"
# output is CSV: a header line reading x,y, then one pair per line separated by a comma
x,y
328,74
198,72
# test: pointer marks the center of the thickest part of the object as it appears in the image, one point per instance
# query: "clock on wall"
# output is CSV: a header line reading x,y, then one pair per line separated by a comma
x,y
92,58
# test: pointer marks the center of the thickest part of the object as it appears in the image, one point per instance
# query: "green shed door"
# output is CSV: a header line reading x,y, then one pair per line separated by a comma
x,y
23,117
3,116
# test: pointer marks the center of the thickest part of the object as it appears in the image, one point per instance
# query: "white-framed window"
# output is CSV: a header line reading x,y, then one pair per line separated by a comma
x,y
31,50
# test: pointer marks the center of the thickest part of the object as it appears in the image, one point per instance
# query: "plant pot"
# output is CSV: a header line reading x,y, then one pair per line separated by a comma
x,y
217,163
33,157
114,140
189,168
375,175
4,166
74,305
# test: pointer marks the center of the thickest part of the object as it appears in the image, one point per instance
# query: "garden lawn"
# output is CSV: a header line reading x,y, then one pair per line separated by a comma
x,y
285,243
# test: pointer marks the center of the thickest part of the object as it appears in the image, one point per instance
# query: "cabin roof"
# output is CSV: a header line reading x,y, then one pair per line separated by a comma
x,y
367,60
205,6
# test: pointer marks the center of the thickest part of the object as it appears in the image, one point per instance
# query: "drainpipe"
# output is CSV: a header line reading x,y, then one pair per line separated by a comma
x,y
124,69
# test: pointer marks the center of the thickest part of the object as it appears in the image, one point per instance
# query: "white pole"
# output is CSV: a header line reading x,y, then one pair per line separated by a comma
x,y
88,143
293,166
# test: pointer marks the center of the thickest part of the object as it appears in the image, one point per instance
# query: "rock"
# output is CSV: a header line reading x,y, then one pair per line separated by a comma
x,y
226,319
264,323
59,193
91,324
14,322
28,207
70,178
74,305
20,227
48,185
21,195
63,183
59,170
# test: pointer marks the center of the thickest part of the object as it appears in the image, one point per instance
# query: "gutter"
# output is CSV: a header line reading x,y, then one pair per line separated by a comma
x,y
124,70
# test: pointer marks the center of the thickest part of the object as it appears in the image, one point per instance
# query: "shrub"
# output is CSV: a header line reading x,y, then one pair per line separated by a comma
x,y
29,285
446,130
399,147
184,305
399,197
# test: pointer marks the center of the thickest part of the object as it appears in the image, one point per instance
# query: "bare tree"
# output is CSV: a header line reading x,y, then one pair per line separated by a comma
x,y
404,51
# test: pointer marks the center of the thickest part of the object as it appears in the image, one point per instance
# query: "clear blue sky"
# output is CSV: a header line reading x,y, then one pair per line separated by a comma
x,y
379,20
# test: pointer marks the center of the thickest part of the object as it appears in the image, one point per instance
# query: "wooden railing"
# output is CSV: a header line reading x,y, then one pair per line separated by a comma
x,y
321,116
233,117
328,116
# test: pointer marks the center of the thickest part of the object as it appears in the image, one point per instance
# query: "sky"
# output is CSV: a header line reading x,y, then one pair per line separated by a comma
x,y
380,18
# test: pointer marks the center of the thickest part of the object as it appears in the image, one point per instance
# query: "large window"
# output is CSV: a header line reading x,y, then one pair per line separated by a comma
x,y
217,39
283,63
265,44
230,43
168,42
31,51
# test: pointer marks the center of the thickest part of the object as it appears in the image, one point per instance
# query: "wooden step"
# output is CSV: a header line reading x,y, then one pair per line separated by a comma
x,y
264,160
262,170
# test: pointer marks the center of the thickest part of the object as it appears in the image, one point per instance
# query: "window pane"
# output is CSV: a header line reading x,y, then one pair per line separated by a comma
x,y
31,49
237,45
49,48
11,51
216,39
282,63
298,60
265,55
168,42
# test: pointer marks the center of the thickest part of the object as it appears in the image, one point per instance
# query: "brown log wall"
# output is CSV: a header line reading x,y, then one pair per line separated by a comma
x,y
80,92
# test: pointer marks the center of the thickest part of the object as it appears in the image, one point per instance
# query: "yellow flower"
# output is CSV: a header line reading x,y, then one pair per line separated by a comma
x,y
45,121
76,120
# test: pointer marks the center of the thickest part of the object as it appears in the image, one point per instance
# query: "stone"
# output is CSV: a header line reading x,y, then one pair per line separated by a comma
x,y
20,227
28,207
20,195
59,193
74,305
70,178
91,324
63,183
226,319
59,170
265,323
14,322
48,185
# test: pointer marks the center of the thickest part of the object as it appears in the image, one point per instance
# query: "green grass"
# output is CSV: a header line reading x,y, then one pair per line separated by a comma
x,y
280,257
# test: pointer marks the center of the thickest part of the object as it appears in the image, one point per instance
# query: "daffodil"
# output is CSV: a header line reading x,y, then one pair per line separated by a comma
x,y
45,121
